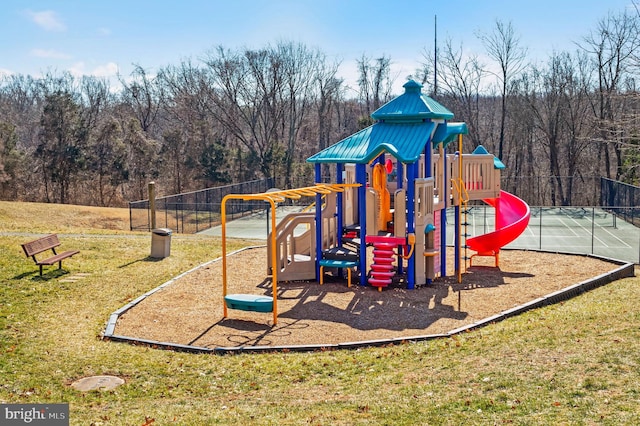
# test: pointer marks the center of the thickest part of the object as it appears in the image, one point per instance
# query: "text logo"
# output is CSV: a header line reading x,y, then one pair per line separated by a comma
x,y
34,414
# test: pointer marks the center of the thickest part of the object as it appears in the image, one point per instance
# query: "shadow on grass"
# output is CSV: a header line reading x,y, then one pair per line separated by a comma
x,y
46,276
144,259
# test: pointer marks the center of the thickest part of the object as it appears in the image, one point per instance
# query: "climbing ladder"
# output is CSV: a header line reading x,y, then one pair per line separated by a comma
x,y
463,198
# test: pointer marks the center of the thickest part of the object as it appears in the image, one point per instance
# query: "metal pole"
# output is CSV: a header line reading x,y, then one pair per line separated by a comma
x,y
152,204
223,214
540,230
593,228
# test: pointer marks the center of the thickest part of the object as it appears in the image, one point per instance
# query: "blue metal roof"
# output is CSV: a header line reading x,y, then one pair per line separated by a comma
x,y
404,128
497,164
405,141
448,132
411,106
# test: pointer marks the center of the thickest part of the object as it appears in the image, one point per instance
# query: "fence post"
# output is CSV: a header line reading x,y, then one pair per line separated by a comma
x,y
152,204
540,229
593,229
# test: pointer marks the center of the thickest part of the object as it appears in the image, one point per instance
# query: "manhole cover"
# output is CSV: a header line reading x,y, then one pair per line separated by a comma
x,y
97,383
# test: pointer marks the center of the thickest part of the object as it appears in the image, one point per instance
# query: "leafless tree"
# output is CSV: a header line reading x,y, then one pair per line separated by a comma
x,y
375,84
503,46
612,46
460,77
142,95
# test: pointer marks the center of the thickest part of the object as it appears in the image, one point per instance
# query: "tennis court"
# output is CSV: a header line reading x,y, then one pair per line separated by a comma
x,y
581,230
584,230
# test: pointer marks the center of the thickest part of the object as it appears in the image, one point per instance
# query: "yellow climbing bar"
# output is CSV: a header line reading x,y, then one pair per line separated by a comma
x,y
272,198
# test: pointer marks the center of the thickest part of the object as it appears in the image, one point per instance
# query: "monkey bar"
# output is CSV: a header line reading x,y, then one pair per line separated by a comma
x,y
255,302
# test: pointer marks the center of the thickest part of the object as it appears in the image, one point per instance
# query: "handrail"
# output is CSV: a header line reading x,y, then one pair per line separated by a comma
x,y
288,245
461,189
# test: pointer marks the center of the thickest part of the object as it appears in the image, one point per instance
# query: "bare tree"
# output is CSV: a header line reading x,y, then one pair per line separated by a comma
x,y
612,47
243,99
143,96
503,46
557,95
375,84
459,79
330,94
300,68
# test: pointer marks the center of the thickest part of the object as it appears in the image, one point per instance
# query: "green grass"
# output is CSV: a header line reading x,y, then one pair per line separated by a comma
x,y
573,363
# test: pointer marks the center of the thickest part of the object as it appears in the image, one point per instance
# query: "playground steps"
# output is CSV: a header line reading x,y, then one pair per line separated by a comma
x,y
382,269
351,237
340,253
339,258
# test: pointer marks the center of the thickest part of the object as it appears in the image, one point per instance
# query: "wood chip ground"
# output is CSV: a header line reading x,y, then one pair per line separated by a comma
x,y
189,311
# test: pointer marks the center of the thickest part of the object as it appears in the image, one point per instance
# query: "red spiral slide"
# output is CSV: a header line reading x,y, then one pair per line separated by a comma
x,y
512,218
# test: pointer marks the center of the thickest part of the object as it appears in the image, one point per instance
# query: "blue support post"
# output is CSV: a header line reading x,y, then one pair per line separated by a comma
x,y
361,178
339,213
443,217
427,160
318,172
399,184
339,202
456,239
411,225
443,242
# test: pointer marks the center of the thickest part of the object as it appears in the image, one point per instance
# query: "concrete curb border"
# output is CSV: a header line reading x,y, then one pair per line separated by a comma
x,y
624,270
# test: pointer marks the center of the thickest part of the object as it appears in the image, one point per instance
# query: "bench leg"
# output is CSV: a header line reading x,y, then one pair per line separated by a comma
x,y
60,265
321,274
40,270
348,277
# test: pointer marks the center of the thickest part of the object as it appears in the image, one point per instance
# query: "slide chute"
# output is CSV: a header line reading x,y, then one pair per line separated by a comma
x,y
512,218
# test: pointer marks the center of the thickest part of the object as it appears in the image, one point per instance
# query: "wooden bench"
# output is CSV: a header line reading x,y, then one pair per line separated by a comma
x,y
49,242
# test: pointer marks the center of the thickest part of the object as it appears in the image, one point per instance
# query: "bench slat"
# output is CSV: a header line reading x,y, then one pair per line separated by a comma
x,y
57,258
48,242
41,244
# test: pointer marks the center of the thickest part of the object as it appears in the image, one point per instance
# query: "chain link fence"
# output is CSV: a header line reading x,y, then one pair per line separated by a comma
x,y
603,231
192,212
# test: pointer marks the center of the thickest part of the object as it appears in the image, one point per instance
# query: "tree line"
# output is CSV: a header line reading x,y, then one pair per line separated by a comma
x,y
243,114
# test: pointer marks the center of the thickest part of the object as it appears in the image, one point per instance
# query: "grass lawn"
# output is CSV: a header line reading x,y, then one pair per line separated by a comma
x,y
573,363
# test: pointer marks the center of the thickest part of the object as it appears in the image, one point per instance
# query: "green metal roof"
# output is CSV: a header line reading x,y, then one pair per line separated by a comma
x,y
404,128
411,106
448,132
405,141
497,164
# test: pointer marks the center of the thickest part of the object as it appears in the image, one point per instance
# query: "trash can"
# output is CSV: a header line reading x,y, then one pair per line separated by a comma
x,y
160,243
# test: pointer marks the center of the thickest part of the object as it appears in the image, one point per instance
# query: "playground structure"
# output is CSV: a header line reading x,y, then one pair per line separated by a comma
x,y
394,185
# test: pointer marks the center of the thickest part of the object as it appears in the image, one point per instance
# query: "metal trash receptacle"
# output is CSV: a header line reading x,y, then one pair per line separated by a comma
x,y
160,243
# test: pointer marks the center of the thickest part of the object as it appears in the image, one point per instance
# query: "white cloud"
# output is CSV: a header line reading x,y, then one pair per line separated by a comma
x,y
47,20
107,70
77,69
104,31
49,53
5,72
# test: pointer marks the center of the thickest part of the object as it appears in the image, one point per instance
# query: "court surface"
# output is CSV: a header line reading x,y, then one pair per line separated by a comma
x,y
583,230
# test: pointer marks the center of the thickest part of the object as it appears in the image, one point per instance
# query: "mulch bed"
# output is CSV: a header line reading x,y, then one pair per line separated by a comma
x,y
189,311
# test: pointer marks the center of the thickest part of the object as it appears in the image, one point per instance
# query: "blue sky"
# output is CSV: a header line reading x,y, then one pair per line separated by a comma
x,y
104,37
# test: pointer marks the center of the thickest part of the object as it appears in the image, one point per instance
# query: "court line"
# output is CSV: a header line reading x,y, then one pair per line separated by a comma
x,y
595,237
613,235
